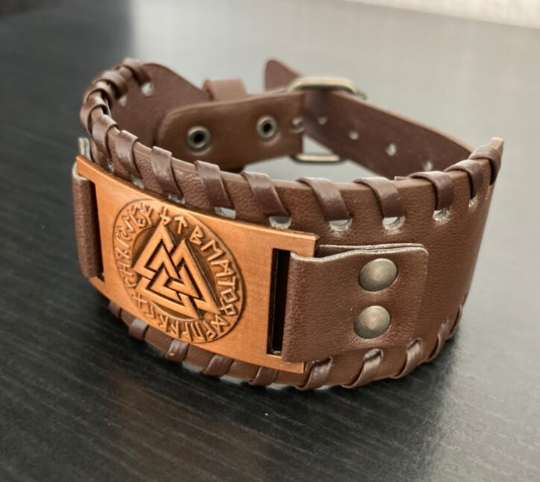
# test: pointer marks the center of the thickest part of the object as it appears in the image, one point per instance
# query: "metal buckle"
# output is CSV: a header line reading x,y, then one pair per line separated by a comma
x,y
323,83
206,280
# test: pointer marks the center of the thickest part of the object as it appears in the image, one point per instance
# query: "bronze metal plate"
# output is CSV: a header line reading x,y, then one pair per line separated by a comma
x,y
199,278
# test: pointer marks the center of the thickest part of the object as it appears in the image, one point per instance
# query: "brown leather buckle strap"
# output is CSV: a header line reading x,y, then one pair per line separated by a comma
x,y
307,283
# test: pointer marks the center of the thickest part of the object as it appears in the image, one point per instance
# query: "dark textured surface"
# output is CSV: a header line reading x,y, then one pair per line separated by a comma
x,y
80,400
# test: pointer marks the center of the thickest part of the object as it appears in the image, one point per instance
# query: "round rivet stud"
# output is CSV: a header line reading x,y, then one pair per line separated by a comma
x,y
378,274
372,322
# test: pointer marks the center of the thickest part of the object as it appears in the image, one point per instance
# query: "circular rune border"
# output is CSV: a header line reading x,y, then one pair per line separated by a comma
x,y
178,273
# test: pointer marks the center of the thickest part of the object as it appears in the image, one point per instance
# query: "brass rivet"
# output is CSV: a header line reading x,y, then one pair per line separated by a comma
x,y
372,322
378,274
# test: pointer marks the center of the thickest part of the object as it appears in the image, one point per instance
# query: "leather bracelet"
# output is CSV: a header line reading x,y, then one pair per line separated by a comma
x,y
306,283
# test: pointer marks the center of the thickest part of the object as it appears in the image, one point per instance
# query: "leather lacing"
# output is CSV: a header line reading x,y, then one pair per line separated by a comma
x,y
387,195
317,374
124,154
442,185
329,197
121,146
161,162
213,185
113,84
265,194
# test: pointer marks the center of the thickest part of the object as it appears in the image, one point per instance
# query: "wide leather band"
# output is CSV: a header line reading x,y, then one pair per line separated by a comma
x,y
276,281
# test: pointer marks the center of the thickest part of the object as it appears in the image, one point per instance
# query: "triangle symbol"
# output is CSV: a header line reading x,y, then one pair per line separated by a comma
x,y
172,278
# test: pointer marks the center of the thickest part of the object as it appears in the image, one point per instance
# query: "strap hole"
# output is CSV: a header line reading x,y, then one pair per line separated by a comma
x,y
280,222
391,149
441,214
354,135
267,128
427,166
339,224
393,223
322,120
147,88
198,138
297,124
226,212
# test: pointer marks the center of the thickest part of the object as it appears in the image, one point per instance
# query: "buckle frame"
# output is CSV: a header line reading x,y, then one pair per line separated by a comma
x,y
164,263
323,83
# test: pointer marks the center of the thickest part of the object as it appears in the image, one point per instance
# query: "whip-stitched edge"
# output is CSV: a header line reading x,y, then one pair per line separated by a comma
x,y
113,84
442,184
265,193
387,195
329,197
318,373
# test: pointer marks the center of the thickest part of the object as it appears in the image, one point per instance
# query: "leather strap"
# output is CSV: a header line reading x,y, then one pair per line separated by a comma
x,y
138,117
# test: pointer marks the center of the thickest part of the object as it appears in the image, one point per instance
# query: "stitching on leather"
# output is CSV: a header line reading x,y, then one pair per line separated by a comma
x,y
89,107
116,80
124,152
99,87
136,69
371,364
443,186
413,356
264,377
330,198
138,328
387,196
265,194
177,351
456,322
317,376
319,372
100,133
492,155
160,160
473,171
210,176
218,366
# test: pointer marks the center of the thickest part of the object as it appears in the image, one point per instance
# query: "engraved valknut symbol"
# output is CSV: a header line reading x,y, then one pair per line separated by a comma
x,y
179,274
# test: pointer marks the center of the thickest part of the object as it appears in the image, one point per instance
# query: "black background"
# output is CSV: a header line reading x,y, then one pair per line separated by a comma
x,y
80,400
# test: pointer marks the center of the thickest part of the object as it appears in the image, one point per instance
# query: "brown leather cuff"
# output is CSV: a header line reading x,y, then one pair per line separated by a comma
x,y
307,283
